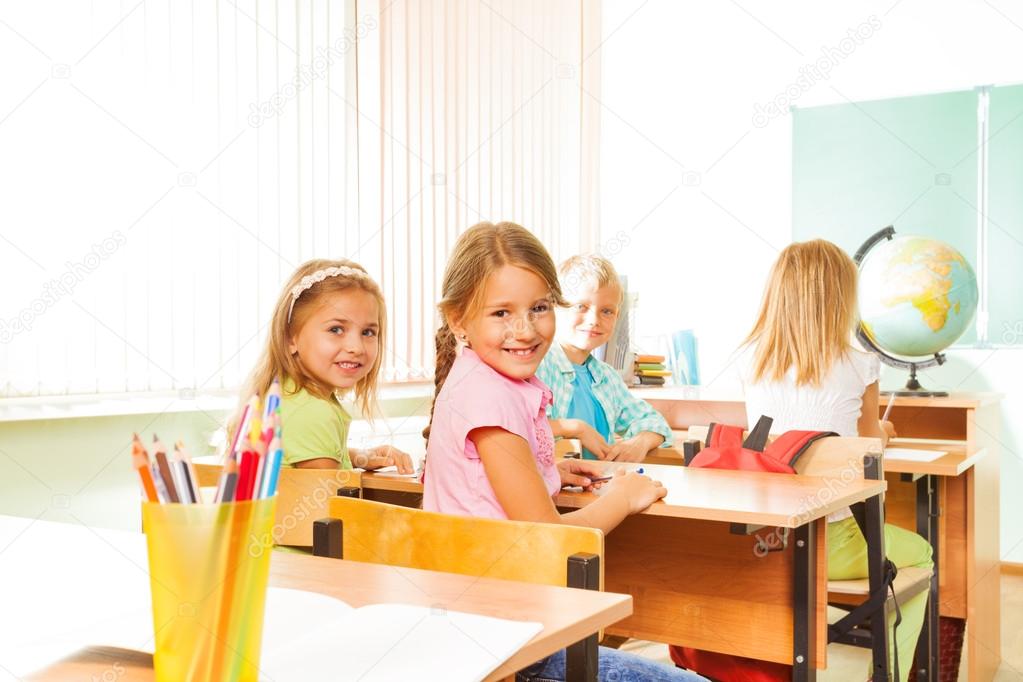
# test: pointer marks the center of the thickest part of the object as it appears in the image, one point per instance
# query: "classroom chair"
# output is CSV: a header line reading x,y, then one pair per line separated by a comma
x,y
869,600
542,553
302,497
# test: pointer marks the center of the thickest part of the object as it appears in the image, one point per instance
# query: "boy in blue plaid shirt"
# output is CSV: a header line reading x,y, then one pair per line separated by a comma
x,y
591,401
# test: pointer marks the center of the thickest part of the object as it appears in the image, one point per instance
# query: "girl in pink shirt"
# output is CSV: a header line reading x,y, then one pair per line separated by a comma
x,y
490,451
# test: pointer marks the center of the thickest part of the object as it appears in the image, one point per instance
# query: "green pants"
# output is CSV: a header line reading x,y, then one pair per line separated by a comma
x,y
847,560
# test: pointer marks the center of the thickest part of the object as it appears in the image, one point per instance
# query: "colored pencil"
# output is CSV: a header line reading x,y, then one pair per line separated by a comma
x,y
244,424
180,473
165,473
179,449
161,486
140,461
272,467
246,473
228,482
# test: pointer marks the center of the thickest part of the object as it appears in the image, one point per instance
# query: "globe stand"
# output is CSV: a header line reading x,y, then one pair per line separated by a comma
x,y
913,387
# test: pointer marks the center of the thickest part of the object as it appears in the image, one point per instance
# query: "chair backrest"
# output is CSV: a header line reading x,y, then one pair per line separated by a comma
x,y
840,458
302,496
511,550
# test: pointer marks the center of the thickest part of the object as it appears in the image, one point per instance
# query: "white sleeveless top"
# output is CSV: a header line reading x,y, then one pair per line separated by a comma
x,y
834,405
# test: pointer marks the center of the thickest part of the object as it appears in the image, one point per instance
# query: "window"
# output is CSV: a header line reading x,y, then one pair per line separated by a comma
x,y
168,167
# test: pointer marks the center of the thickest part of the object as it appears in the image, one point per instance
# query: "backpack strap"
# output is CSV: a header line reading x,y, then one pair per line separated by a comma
x,y
789,446
873,606
757,438
723,435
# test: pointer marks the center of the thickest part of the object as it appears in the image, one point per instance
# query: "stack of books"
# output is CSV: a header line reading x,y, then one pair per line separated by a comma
x,y
650,371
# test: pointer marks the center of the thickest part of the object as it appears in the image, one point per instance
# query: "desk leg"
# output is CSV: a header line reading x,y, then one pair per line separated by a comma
x,y
804,632
927,648
581,658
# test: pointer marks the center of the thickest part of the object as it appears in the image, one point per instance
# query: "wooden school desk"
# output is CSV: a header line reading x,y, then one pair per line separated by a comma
x,y
699,581
959,490
78,572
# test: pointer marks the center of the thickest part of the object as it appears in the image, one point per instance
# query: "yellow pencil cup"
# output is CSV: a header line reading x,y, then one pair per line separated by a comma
x,y
208,569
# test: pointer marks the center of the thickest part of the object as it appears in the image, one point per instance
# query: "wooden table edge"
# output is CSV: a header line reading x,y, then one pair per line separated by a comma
x,y
577,500
615,607
532,651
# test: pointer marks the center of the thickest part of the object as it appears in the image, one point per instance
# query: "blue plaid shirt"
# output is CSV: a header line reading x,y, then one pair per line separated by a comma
x,y
627,414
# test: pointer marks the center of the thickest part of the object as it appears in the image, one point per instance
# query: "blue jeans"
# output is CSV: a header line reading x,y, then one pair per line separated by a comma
x,y
613,666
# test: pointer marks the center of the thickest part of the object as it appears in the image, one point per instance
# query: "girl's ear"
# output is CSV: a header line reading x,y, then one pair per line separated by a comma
x,y
292,346
456,328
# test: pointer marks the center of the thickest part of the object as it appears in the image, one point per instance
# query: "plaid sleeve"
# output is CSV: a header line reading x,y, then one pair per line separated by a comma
x,y
634,415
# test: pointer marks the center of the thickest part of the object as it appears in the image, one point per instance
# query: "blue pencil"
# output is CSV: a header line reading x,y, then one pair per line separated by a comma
x,y
272,467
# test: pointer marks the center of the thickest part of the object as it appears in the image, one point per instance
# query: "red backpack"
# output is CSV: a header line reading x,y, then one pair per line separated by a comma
x,y
726,449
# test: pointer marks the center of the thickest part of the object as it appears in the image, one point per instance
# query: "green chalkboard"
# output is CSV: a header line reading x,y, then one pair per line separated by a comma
x,y
1005,213
910,162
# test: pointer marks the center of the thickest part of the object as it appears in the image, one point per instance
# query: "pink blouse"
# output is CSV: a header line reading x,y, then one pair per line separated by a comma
x,y
475,395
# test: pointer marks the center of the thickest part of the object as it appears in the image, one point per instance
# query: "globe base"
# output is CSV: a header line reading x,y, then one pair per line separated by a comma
x,y
913,388
906,393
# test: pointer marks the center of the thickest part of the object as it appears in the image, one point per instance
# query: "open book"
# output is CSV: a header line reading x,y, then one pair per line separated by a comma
x,y
310,636
913,455
392,472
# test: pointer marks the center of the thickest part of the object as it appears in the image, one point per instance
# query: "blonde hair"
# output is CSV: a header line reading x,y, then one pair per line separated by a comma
x,y
590,268
277,361
479,252
807,314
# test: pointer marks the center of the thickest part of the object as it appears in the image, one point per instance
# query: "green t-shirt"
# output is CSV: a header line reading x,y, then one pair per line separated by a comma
x,y
312,428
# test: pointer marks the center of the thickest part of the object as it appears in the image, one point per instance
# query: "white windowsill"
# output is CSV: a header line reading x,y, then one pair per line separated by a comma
x,y
160,402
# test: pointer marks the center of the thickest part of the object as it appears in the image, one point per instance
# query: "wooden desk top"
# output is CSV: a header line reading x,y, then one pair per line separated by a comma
x,y
960,399
567,614
954,463
716,495
115,578
743,496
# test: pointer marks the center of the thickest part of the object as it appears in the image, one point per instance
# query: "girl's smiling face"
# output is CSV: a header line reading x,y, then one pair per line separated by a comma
x,y
515,325
337,343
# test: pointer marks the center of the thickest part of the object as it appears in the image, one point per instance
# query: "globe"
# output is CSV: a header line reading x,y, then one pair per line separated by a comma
x,y
916,295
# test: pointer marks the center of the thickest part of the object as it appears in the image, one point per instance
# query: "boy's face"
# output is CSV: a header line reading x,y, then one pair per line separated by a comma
x,y
591,315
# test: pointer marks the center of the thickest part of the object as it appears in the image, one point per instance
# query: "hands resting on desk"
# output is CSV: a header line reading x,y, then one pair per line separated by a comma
x,y
640,490
628,450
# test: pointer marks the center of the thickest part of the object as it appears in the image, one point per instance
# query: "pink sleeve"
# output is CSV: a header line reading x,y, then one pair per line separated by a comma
x,y
472,411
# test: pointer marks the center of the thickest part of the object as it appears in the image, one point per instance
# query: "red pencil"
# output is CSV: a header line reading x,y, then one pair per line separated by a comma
x,y
246,475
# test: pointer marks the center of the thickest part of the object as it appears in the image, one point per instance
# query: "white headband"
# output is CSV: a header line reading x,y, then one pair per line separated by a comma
x,y
319,276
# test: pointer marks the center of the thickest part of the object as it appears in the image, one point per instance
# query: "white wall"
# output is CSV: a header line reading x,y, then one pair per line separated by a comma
x,y
704,194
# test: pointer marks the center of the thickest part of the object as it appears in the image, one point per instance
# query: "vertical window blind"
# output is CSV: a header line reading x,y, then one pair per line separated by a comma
x,y
168,165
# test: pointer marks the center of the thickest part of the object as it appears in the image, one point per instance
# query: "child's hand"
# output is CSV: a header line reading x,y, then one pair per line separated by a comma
x,y
580,472
629,450
387,455
640,491
889,428
590,439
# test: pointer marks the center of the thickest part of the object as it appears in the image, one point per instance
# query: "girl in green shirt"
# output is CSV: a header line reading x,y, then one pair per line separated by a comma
x,y
325,339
